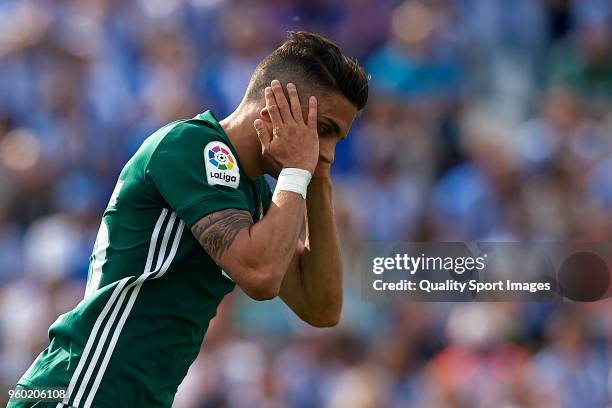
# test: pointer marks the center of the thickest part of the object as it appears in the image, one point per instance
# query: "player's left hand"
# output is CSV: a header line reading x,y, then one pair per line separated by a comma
x,y
293,142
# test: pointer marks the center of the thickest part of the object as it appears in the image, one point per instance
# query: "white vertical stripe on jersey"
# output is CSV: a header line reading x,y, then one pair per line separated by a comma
x,y
116,310
126,312
118,289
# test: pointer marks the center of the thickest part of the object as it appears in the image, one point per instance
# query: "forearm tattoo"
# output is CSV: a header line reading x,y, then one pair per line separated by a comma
x,y
217,231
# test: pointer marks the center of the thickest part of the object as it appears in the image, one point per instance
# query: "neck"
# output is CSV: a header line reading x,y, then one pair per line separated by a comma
x,y
238,127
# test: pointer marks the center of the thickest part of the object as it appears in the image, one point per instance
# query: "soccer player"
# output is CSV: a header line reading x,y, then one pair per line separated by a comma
x,y
191,216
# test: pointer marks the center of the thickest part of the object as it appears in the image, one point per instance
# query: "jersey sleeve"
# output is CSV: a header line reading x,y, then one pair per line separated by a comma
x,y
195,173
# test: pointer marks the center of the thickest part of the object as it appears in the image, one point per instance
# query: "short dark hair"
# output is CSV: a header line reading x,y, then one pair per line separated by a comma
x,y
312,62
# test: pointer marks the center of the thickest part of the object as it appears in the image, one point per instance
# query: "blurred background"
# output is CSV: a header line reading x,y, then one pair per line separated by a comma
x,y
488,120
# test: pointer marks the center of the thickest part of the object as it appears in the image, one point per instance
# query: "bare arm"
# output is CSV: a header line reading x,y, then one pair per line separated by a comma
x,y
256,256
312,286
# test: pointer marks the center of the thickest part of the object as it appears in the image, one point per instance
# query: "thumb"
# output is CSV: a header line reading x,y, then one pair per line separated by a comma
x,y
262,132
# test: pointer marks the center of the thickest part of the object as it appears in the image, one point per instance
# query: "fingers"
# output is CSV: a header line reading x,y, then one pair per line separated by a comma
x,y
294,99
262,133
277,120
312,112
281,101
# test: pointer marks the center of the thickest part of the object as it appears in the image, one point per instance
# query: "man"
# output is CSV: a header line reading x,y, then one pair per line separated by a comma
x,y
153,285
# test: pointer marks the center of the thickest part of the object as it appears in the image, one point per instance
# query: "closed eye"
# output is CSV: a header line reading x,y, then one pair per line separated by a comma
x,y
328,127
324,130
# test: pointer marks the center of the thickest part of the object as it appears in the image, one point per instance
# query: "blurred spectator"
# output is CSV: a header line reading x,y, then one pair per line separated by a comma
x,y
572,370
585,63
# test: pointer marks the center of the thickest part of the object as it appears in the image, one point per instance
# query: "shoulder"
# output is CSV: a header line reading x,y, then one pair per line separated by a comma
x,y
181,140
187,133
189,147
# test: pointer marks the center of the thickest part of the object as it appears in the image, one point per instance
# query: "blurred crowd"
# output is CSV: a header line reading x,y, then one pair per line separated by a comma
x,y
488,120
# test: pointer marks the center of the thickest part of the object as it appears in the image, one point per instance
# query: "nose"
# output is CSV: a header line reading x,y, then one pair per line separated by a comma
x,y
327,151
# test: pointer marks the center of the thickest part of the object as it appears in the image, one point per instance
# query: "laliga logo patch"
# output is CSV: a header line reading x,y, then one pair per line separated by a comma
x,y
221,158
221,167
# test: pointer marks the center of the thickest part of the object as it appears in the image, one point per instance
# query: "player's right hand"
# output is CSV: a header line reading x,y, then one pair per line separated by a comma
x,y
291,141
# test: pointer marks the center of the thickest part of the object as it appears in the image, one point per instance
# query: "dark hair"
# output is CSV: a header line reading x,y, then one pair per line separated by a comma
x,y
312,62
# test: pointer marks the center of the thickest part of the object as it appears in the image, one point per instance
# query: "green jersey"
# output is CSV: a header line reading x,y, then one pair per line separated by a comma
x,y
151,289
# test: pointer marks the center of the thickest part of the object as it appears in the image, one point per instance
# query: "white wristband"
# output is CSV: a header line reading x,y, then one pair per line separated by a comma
x,y
295,180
